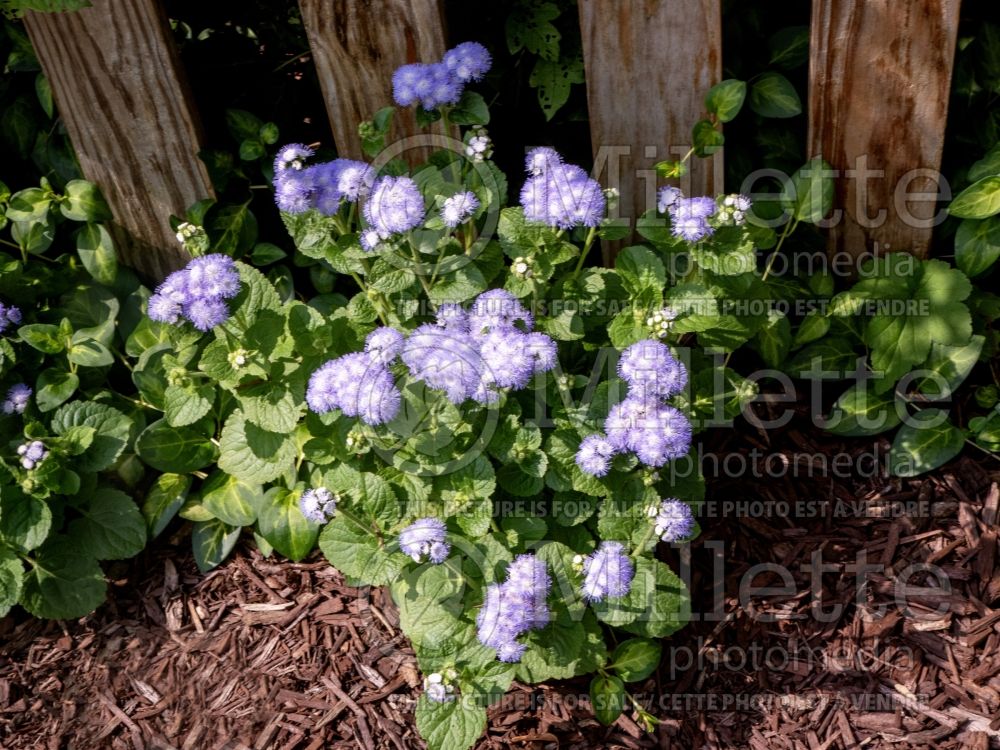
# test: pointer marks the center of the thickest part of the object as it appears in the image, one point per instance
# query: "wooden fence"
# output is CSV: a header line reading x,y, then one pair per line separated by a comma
x,y
879,76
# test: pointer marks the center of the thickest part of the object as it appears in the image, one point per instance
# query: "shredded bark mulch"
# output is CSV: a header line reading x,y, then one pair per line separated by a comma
x,y
882,633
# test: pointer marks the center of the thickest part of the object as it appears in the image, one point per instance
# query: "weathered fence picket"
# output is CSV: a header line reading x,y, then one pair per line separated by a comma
x,y
121,92
356,46
879,79
879,83
647,74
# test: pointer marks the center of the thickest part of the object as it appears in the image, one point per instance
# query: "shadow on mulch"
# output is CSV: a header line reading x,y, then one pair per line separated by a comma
x,y
870,626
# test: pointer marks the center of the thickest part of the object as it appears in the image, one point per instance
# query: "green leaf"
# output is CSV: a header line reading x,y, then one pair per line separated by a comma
x,y
920,447
454,725
636,659
84,202
554,80
178,450
773,95
952,365
97,253
271,407
668,607
932,295
642,274
62,584
861,410
185,405
43,337
725,99
253,454
25,520
431,603
231,229
112,430
31,204
774,339
529,27
43,90
470,110
706,139
112,528
284,527
353,548
809,194
163,500
789,47
89,352
988,165
978,201
265,253
977,245
814,326
11,580
230,500
607,696
211,542
831,354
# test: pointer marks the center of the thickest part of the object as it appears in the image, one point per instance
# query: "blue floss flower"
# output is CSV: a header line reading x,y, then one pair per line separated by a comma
x,y
384,344
213,276
445,359
608,572
458,208
358,386
540,160
672,520
468,61
9,315
395,206
32,454
689,218
354,179
563,195
17,399
543,351
498,310
205,313
292,158
425,538
594,455
442,87
318,505
667,197
453,316
404,84
508,361
651,370
163,309
293,192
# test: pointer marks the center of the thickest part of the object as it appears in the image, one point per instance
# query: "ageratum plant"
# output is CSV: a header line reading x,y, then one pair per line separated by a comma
x,y
469,413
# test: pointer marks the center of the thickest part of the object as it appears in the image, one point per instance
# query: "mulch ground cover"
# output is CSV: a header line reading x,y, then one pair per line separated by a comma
x,y
881,634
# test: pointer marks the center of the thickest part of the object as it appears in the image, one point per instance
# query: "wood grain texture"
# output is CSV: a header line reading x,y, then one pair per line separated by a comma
x,y
649,64
120,89
880,74
356,45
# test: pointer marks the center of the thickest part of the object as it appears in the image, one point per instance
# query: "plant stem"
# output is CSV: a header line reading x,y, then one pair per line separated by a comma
x,y
644,541
583,253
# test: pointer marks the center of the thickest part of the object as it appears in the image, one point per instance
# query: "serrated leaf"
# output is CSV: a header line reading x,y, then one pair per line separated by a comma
x,y
62,584
185,405
112,430
353,548
11,580
454,725
253,454
178,450
25,520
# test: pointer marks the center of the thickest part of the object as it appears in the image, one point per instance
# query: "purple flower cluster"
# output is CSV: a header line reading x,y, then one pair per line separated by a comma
x,y
360,384
672,519
318,505
514,607
558,194
425,538
689,217
197,293
607,572
299,187
395,206
458,208
433,85
32,454
9,315
477,353
17,399
642,424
